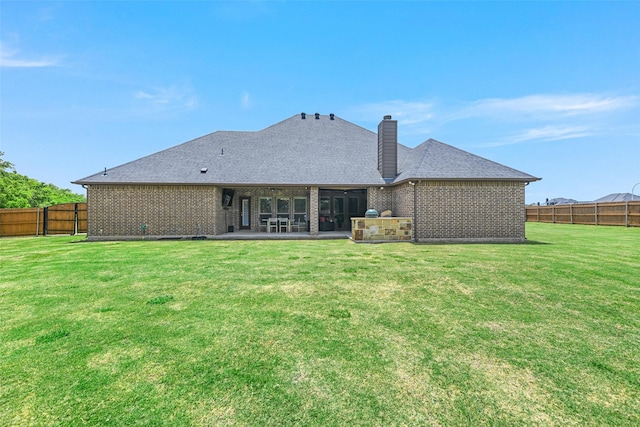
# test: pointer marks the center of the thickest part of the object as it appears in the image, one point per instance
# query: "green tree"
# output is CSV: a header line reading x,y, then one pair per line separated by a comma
x,y
20,191
5,165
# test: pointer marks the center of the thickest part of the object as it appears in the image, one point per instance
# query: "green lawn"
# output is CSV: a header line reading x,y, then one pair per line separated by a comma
x,y
322,332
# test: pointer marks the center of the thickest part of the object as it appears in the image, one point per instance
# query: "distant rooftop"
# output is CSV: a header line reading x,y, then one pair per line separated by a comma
x,y
618,197
613,197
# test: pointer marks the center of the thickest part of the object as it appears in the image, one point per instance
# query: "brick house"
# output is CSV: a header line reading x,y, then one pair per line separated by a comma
x,y
315,171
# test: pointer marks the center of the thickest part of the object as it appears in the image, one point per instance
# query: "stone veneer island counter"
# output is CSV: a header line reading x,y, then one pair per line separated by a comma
x,y
384,229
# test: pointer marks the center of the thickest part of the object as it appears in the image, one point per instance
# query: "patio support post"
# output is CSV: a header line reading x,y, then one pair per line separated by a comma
x,y
314,195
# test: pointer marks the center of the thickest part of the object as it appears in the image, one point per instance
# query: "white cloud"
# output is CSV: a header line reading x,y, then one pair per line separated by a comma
x,y
406,112
553,133
550,117
544,134
245,101
166,99
530,107
9,58
546,106
508,121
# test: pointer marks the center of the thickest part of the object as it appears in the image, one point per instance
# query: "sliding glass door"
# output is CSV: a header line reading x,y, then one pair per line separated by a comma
x,y
336,208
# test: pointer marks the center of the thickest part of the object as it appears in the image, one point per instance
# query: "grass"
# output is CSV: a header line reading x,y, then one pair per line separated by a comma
x,y
322,333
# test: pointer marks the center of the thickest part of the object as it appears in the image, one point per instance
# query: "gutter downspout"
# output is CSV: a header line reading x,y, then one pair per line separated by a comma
x,y
415,213
86,187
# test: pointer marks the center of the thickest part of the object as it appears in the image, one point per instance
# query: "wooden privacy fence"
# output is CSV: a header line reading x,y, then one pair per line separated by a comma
x,y
70,218
610,213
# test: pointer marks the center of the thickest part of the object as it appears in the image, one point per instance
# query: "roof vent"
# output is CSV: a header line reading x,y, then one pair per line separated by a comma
x,y
317,116
387,117
105,172
303,115
222,152
203,170
332,116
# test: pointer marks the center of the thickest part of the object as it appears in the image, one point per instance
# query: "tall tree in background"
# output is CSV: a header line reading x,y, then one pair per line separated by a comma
x,y
20,191
5,165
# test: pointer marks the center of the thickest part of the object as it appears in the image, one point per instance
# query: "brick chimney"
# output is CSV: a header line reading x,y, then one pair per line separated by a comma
x,y
388,148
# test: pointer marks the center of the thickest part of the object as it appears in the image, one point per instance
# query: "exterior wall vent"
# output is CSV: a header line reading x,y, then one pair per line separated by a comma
x,y
388,148
317,116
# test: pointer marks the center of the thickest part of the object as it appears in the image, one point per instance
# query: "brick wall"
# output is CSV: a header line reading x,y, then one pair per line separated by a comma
x,y
120,211
446,210
403,200
380,198
166,210
470,211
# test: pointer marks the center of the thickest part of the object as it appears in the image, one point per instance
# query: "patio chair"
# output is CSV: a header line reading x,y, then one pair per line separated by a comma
x,y
299,225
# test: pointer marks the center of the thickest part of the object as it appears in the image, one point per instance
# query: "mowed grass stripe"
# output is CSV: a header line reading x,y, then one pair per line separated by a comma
x,y
322,332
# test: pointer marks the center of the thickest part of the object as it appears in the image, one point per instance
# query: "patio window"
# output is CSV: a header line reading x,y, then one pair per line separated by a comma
x,y
300,211
283,207
266,210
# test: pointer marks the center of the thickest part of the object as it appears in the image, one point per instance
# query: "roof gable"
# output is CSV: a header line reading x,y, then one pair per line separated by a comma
x,y
435,160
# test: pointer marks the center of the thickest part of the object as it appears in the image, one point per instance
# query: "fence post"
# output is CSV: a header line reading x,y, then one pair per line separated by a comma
x,y
571,214
75,220
45,221
553,214
626,213
595,209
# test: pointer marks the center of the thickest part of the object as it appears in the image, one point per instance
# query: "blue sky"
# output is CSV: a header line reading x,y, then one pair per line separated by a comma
x,y
549,88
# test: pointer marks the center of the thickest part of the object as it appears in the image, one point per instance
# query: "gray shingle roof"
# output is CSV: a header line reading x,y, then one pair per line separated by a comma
x,y
435,160
299,152
292,152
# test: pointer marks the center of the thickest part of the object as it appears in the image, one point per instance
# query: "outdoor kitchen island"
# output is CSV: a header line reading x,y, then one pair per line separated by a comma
x,y
382,229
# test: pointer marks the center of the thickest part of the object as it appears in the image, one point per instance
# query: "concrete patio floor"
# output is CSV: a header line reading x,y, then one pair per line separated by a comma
x,y
261,235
